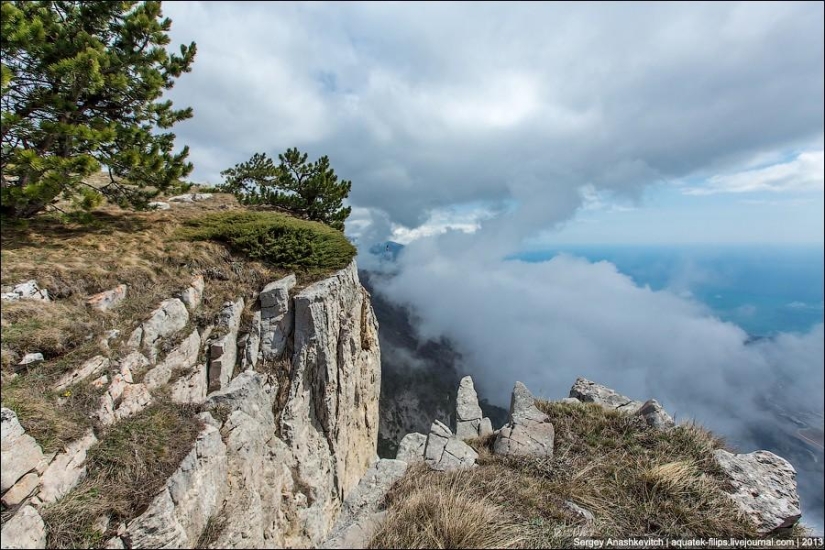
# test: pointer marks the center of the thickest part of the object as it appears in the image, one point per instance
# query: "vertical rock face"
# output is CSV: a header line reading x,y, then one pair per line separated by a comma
x,y
276,320
224,350
331,417
469,418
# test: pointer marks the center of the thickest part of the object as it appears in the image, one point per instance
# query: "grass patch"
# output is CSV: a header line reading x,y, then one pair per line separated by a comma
x,y
637,481
276,238
52,422
126,469
433,510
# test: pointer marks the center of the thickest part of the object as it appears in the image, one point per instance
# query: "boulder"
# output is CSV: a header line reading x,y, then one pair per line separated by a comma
x,y
193,294
19,452
90,367
30,358
411,448
529,432
655,415
764,488
103,301
443,452
27,291
589,392
24,530
66,470
190,197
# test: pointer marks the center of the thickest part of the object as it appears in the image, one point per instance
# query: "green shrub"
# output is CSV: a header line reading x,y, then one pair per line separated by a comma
x,y
275,238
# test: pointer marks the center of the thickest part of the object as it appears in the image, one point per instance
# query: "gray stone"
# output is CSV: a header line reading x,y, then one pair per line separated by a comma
x,y
90,367
190,388
467,407
27,291
330,421
24,530
589,392
444,452
159,205
179,514
169,318
193,294
66,470
360,517
585,514
253,343
104,301
30,358
529,432
21,490
655,415
411,448
570,401
135,337
276,319
764,488
190,197
182,357
19,452
485,427
223,352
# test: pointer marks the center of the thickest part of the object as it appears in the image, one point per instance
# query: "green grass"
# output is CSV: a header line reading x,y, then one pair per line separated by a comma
x,y
126,469
275,238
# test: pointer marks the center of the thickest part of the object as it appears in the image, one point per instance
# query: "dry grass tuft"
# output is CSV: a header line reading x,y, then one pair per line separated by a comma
x,y
432,510
126,469
636,481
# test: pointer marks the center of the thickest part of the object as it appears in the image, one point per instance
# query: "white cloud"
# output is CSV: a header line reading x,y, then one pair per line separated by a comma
x,y
804,173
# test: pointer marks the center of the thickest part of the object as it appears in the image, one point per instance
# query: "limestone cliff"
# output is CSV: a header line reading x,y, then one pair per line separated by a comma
x,y
284,442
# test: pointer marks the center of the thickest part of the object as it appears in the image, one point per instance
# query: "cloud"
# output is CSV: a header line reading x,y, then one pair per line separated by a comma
x,y
804,173
431,105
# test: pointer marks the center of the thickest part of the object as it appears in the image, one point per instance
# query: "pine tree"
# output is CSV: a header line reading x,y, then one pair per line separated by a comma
x,y
81,83
307,190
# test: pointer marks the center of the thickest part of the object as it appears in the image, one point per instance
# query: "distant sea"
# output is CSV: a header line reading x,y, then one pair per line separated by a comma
x,y
763,289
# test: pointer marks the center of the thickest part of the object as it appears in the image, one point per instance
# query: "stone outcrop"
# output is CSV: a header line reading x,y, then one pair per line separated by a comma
x,y
181,358
764,488
190,197
19,452
223,350
360,516
24,530
529,432
166,320
104,301
272,326
193,294
178,515
470,422
25,291
90,367
411,448
655,415
330,420
30,358
66,470
589,392
443,452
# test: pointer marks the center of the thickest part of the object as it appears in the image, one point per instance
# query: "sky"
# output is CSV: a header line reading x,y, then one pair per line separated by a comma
x,y
660,122
474,131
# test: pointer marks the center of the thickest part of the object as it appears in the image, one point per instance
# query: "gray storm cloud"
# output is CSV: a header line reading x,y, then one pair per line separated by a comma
x,y
429,105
